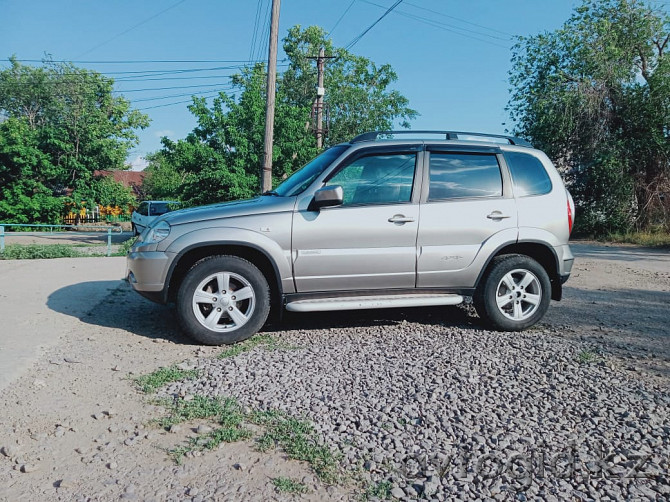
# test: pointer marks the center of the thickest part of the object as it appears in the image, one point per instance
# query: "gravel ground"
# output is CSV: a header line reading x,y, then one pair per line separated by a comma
x,y
438,410
424,399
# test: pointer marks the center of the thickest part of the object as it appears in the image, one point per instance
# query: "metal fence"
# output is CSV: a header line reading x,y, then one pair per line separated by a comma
x,y
70,228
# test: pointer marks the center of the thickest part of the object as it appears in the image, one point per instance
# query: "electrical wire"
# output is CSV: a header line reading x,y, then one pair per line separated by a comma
x,y
458,19
143,22
448,27
214,94
357,39
330,32
254,36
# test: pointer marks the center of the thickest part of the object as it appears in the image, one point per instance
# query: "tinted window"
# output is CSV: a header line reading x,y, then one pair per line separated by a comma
x,y
158,208
377,179
458,175
528,174
143,209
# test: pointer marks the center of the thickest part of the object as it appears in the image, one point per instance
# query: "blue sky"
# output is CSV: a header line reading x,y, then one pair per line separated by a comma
x,y
452,57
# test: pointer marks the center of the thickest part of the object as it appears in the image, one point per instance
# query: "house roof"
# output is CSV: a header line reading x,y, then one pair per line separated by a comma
x,y
129,179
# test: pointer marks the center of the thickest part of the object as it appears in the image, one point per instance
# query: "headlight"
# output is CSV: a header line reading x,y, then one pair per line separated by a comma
x,y
153,235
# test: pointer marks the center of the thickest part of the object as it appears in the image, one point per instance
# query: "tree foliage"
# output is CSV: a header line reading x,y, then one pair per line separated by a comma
x,y
595,95
61,123
221,158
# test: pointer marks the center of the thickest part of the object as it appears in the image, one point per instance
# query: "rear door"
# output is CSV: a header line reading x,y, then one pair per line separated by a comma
x,y
467,202
369,242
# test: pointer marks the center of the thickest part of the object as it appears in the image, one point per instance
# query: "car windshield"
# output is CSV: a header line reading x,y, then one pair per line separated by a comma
x,y
301,179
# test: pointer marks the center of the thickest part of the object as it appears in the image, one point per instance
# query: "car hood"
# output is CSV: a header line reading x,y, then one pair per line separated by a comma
x,y
260,205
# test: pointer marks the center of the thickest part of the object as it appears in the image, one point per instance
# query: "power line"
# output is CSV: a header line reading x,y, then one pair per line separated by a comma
x,y
358,38
175,103
140,61
448,27
133,27
458,19
254,36
330,32
158,98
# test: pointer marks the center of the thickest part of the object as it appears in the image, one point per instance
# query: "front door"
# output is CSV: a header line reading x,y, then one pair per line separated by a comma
x,y
369,242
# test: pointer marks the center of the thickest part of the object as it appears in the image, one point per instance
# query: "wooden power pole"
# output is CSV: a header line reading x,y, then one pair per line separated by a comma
x,y
320,91
266,170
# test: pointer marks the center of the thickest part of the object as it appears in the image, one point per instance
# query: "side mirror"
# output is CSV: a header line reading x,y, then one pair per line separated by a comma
x,y
327,197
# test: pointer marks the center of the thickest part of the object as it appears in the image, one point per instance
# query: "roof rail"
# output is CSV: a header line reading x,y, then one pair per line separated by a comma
x,y
449,135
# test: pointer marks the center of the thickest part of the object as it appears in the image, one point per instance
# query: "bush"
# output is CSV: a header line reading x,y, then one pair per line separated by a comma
x,y
38,251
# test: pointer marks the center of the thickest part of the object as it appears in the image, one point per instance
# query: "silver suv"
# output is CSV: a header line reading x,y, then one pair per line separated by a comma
x,y
378,222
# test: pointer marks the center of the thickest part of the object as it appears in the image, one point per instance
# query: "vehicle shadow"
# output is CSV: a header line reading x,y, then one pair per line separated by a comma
x,y
122,308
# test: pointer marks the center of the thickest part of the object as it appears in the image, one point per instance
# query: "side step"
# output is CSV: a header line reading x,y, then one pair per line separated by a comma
x,y
373,302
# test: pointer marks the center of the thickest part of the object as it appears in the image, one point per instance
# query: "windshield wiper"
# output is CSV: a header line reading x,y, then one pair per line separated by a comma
x,y
272,193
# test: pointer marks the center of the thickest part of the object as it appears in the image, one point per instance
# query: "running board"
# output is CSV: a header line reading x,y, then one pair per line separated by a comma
x,y
373,302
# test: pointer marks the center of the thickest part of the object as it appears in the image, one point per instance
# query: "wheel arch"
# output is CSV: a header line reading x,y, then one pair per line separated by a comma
x,y
542,253
189,256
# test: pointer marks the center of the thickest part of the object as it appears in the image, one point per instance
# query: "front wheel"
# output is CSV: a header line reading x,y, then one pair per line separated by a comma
x,y
514,294
223,300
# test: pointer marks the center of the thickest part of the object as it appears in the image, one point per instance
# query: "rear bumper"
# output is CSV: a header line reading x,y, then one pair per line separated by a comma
x,y
146,272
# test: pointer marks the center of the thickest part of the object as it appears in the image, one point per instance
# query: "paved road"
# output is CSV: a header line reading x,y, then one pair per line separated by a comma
x,y
27,324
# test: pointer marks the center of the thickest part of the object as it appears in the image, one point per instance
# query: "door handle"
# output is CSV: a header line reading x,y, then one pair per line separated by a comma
x,y
497,215
400,218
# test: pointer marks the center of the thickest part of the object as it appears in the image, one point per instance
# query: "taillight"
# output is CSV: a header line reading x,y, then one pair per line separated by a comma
x,y
570,218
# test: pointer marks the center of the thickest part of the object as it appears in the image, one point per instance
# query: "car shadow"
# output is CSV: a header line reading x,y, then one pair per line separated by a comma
x,y
124,309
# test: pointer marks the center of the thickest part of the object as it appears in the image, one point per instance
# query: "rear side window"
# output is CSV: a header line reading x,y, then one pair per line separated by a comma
x,y
528,174
459,175
143,209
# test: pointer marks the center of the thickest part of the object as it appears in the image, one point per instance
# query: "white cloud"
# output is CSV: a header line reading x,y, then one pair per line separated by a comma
x,y
165,132
139,163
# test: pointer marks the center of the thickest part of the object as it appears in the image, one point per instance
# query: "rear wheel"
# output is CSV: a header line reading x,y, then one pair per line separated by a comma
x,y
223,300
514,294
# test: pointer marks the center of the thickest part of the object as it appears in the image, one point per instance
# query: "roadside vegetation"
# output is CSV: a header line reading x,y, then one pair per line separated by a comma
x,y
268,342
649,239
39,251
594,95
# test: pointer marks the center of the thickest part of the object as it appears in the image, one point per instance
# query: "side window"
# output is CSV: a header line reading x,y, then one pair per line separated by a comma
x,y
377,179
461,175
528,174
159,208
143,209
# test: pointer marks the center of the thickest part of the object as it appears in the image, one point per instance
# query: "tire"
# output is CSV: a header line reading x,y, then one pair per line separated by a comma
x,y
514,294
215,318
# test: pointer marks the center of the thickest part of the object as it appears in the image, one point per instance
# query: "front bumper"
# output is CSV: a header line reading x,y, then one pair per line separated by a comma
x,y
146,272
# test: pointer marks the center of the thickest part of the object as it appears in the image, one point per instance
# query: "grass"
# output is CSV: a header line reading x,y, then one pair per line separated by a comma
x,y
295,437
650,239
587,357
149,383
125,247
298,440
380,490
288,485
38,251
227,412
268,342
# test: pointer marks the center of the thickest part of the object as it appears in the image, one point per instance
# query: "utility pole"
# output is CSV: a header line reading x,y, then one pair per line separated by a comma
x,y
320,91
266,170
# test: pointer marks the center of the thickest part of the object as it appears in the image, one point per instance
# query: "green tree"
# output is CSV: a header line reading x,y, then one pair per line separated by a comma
x,y
221,158
72,118
595,95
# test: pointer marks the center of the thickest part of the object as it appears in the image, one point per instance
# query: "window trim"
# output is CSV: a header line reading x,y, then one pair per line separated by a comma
x,y
505,179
